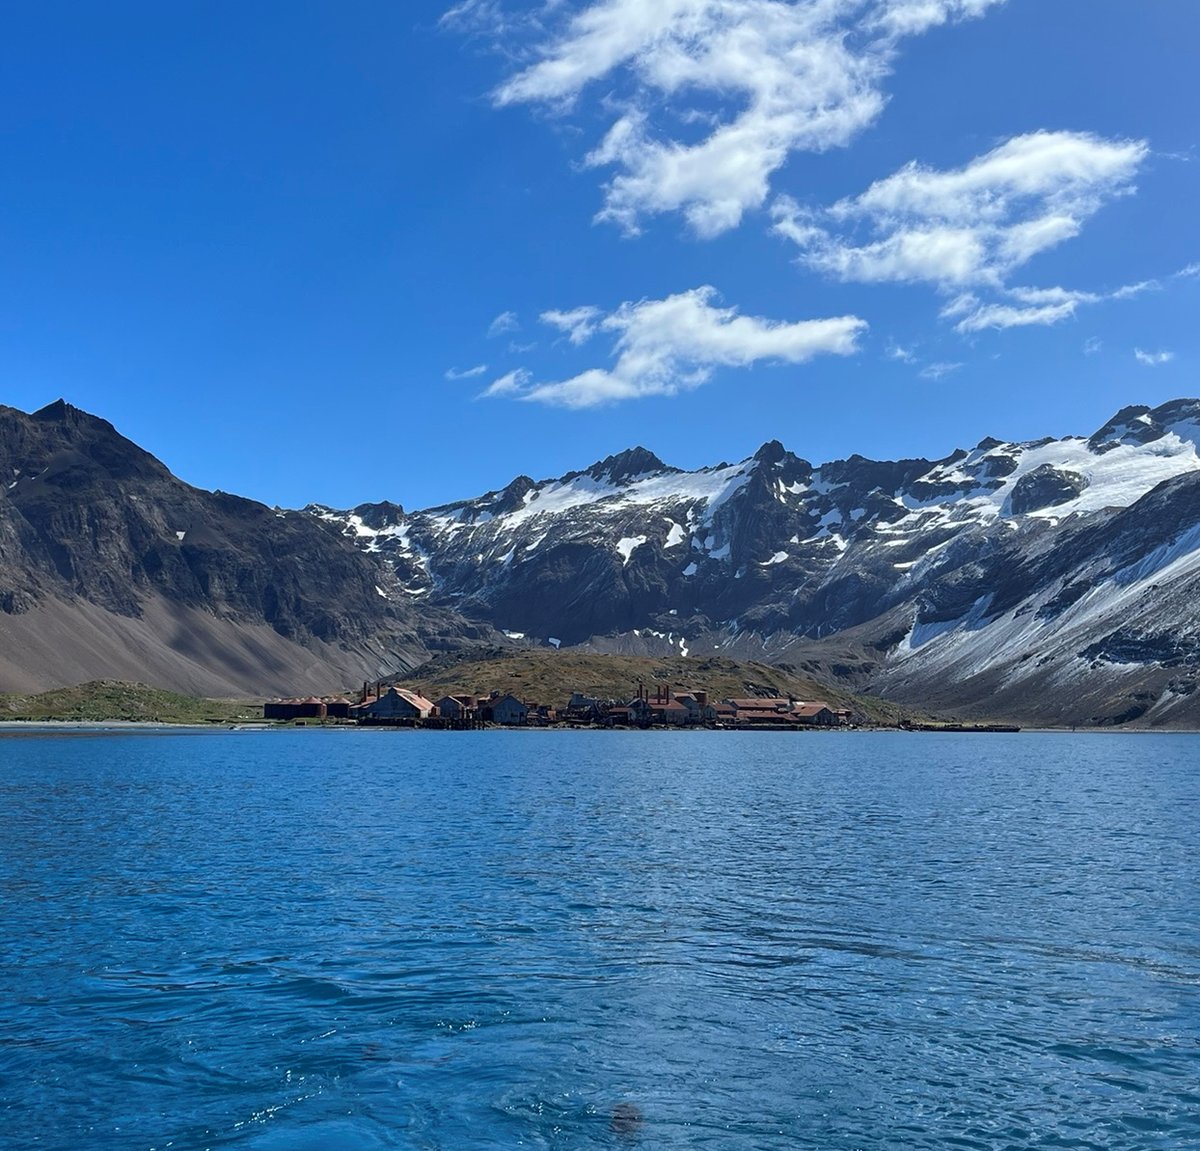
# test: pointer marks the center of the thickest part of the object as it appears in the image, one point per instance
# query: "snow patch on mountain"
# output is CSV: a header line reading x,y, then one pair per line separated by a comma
x,y
627,546
1026,640
1180,555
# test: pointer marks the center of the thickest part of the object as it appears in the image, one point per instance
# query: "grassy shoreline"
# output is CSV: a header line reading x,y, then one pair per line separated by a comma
x,y
111,701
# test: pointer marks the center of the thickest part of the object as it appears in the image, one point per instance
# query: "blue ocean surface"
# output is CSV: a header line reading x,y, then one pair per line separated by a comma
x,y
350,940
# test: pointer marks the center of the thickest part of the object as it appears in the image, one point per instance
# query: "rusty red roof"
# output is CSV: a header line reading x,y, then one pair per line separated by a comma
x,y
415,698
807,709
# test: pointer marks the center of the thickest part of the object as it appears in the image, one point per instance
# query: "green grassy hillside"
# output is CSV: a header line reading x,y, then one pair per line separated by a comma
x,y
106,700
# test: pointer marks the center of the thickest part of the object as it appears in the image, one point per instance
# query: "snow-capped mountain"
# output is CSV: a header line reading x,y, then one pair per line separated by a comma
x,y
1055,581
1000,576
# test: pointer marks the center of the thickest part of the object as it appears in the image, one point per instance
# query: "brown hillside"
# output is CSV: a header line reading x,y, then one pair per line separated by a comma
x,y
549,677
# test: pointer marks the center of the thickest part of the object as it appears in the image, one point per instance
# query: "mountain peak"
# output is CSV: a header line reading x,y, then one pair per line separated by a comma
x,y
60,428
1134,424
513,496
60,412
628,465
381,515
773,463
771,452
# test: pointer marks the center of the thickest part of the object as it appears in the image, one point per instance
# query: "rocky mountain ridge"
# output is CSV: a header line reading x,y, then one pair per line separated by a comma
x,y
1034,580
1054,581
112,567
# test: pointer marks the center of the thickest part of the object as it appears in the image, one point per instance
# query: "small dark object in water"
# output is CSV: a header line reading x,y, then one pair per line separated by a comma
x,y
626,1119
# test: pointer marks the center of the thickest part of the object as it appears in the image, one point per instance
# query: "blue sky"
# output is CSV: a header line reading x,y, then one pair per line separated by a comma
x,y
342,253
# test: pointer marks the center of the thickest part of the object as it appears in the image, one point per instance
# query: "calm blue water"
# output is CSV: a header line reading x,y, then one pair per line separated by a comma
x,y
284,941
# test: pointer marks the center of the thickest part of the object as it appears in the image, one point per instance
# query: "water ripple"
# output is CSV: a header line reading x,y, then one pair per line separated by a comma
x,y
495,941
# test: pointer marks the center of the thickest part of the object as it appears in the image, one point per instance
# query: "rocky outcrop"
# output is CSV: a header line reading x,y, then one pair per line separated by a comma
x,y
1045,487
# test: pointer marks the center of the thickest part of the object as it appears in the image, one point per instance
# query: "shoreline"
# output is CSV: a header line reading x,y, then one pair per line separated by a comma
x,y
93,726
12,727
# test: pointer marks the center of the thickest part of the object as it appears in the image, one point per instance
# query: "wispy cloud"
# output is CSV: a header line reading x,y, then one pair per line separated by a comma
x,y
510,384
966,230
911,17
579,324
794,77
505,322
938,370
1092,346
466,373
470,11
483,17
970,226
664,347
1153,359
902,354
1027,307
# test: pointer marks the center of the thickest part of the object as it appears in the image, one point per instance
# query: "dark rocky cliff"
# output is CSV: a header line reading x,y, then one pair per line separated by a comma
x,y
89,519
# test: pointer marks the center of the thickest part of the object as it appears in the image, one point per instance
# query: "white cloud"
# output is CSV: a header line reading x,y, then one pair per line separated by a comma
x,y
982,316
509,384
1093,345
1031,306
1153,359
911,17
966,230
579,324
664,347
486,17
466,373
971,226
795,77
1190,271
505,322
1130,290
939,370
902,354
470,11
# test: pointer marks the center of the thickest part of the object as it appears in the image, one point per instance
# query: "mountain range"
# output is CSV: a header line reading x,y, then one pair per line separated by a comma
x,y
1053,582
